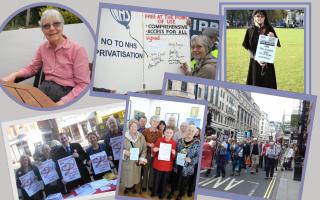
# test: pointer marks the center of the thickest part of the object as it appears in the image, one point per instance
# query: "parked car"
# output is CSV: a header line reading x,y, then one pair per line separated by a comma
x,y
281,25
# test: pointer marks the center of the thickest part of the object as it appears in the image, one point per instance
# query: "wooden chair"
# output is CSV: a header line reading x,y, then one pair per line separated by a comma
x,y
39,77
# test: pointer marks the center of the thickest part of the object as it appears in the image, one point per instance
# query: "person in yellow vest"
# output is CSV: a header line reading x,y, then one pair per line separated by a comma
x,y
205,66
213,34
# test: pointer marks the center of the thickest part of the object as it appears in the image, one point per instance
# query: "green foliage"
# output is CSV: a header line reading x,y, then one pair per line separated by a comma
x,y
68,17
289,60
246,16
20,20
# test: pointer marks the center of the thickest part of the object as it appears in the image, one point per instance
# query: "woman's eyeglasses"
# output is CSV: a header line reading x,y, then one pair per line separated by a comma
x,y
196,46
48,26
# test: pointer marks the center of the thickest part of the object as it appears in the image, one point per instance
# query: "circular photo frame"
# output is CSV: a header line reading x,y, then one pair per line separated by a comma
x,y
48,53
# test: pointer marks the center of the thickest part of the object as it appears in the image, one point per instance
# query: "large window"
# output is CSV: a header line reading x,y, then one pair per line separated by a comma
x,y
199,92
184,86
169,84
206,93
211,95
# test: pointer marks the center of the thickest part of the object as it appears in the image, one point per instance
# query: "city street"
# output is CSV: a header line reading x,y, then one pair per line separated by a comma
x,y
281,186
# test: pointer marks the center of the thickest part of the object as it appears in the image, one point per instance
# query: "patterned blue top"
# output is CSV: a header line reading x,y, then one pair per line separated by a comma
x,y
193,151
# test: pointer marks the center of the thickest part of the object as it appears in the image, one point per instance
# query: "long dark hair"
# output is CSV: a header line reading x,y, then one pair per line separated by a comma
x,y
162,122
261,12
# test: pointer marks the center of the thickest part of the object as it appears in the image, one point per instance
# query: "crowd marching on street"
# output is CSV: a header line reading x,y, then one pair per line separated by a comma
x,y
249,155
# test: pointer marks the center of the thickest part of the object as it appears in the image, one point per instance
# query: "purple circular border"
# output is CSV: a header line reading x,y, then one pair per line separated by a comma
x,y
90,30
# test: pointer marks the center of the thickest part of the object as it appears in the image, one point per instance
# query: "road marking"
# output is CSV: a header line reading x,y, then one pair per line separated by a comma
x,y
231,185
253,189
205,180
270,192
253,182
218,183
270,188
210,181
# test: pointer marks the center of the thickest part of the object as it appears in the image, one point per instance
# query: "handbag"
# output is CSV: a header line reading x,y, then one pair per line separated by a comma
x,y
248,161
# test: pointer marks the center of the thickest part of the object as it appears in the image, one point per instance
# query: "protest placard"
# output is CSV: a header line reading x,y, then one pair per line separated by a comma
x,y
56,196
115,144
69,168
266,49
100,162
48,171
30,183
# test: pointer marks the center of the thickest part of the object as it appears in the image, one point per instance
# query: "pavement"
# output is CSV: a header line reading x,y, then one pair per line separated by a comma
x,y
281,186
286,187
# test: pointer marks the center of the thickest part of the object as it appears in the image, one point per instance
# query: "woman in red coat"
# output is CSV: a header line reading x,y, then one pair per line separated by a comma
x,y
162,167
207,154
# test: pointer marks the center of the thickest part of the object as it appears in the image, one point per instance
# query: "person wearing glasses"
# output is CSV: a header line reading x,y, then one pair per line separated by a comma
x,y
64,62
205,66
260,74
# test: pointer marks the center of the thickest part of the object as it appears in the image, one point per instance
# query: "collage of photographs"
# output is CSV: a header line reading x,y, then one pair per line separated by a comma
x,y
196,104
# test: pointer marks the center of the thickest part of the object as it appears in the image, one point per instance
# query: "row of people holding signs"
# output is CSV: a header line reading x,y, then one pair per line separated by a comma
x,y
63,168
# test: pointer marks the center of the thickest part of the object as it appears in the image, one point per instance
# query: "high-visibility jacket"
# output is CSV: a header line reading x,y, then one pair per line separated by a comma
x,y
214,53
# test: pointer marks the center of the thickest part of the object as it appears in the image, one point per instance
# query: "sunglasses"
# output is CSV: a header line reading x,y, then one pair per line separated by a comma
x,y
48,26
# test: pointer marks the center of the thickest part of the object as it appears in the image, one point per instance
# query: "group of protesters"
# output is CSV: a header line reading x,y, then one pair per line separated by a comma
x,y
57,150
248,154
166,159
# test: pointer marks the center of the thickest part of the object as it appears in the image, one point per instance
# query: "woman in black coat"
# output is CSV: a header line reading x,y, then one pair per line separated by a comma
x,y
259,74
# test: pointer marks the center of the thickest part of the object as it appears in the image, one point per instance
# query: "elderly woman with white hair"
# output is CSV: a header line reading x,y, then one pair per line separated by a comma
x,y
151,135
55,186
131,169
64,62
182,132
205,63
188,150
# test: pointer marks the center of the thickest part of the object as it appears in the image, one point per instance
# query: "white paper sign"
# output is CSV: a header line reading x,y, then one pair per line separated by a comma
x,y
30,184
266,49
100,162
180,159
56,196
48,171
69,168
85,190
167,42
134,153
99,183
115,144
164,151
144,45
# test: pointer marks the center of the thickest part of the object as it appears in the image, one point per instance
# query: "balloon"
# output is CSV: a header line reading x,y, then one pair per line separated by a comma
x,y
123,17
